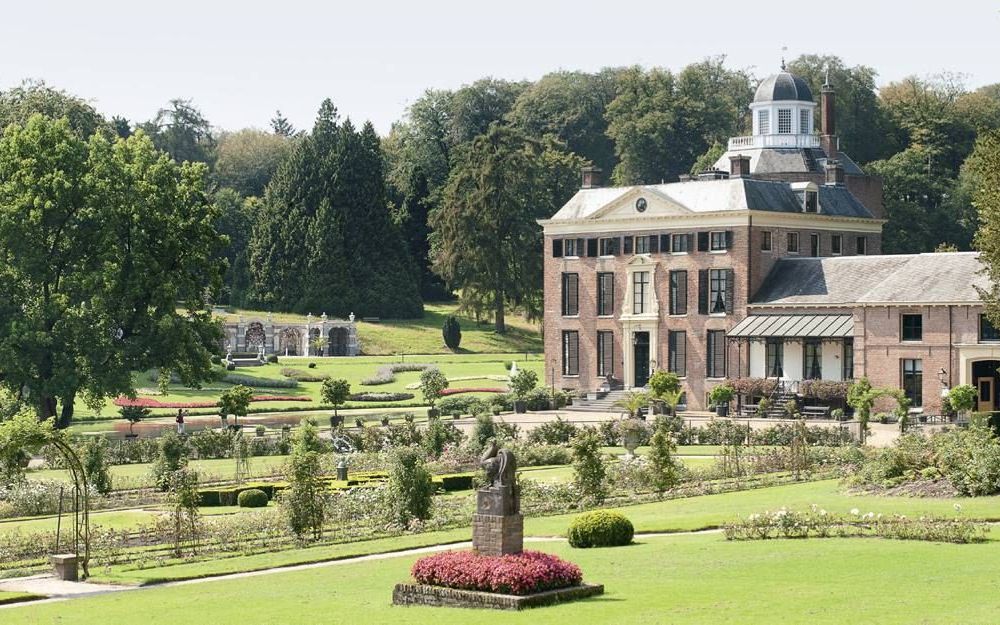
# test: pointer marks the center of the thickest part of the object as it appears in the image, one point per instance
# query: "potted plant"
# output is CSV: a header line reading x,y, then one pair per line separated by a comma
x,y
235,401
631,431
661,383
962,398
335,392
521,384
633,403
720,396
133,414
385,421
432,384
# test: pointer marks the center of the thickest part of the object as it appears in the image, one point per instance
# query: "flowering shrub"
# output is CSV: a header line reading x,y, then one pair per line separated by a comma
x,y
513,574
386,374
456,391
149,402
380,397
819,523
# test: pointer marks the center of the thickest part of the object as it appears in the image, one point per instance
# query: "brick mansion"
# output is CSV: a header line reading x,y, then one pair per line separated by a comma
x,y
769,265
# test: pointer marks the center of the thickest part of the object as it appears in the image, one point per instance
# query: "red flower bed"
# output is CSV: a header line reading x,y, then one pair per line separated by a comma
x,y
149,402
456,391
514,574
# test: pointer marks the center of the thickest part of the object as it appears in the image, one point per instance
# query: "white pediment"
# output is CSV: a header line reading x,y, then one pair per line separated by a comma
x,y
657,204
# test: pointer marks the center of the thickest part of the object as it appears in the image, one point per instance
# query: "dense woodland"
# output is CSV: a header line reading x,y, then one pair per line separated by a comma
x,y
335,218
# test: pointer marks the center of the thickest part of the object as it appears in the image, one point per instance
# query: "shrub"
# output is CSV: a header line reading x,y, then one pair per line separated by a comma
x,y
452,332
253,498
523,382
272,358
96,465
962,398
754,387
386,374
410,489
522,573
824,390
531,455
312,365
380,397
588,466
556,432
172,455
303,376
600,528
432,383
254,382
970,459
484,430
215,359
664,471
439,435
230,366
721,395
451,405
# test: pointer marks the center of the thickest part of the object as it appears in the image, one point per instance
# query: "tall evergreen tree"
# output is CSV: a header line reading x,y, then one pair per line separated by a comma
x,y
281,126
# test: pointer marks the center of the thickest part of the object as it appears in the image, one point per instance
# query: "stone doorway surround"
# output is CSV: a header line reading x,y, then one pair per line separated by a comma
x,y
646,321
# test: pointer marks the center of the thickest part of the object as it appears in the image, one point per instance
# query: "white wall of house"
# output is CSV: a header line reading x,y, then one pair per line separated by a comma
x,y
793,360
833,352
832,359
758,359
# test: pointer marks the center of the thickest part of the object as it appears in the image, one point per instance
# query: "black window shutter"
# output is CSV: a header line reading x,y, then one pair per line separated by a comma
x,y
729,239
592,247
654,244
702,241
729,290
627,244
690,245
682,293
703,291
665,243
556,248
579,247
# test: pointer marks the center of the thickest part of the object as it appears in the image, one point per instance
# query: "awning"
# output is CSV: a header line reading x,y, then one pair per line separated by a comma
x,y
794,326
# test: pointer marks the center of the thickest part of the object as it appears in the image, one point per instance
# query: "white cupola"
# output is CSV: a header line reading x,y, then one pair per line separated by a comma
x,y
783,110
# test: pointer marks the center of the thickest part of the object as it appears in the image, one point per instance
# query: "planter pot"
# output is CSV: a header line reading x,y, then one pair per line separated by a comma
x,y
336,421
433,413
591,396
260,434
630,441
496,411
722,410
520,407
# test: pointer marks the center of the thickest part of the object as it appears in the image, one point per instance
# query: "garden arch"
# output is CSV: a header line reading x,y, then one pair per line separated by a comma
x,y
255,336
290,342
339,339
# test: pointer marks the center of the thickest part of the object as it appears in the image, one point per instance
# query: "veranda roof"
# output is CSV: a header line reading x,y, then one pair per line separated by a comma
x,y
794,326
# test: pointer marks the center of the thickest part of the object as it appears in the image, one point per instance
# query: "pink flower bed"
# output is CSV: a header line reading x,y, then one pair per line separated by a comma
x,y
515,574
149,402
456,391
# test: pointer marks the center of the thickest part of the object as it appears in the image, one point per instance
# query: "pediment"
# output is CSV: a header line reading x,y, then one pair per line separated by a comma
x,y
658,204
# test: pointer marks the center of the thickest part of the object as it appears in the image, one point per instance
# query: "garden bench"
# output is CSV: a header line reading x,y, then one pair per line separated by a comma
x,y
818,412
370,319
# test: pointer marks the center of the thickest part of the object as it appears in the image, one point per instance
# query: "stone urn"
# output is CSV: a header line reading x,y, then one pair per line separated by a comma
x,y
631,433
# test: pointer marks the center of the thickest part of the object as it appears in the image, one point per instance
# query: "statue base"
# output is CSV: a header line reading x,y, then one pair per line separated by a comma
x,y
496,535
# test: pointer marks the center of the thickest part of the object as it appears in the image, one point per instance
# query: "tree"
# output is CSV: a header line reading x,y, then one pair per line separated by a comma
x,y
410,488
235,221
107,250
664,471
487,235
962,398
182,131
664,385
134,414
281,126
986,199
235,401
589,472
247,159
19,104
335,392
432,383
96,466
523,382
171,456
185,498
452,333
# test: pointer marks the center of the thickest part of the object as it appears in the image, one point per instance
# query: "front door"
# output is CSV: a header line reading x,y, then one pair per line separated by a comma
x,y
640,340
985,386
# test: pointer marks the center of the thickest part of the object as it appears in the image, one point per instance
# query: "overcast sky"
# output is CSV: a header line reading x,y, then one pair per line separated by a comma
x,y
239,61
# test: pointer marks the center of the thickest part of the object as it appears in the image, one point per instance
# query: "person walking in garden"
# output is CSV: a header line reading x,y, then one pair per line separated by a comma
x,y
180,420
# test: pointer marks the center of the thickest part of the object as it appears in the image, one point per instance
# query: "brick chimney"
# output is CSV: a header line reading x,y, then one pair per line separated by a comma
x,y
591,177
739,166
828,132
834,173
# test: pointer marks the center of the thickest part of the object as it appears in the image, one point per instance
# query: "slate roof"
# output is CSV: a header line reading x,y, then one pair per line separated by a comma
x,y
735,194
783,86
788,160
848,280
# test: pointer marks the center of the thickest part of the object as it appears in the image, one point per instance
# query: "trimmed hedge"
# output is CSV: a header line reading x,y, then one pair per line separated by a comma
x,y
252,498
600,528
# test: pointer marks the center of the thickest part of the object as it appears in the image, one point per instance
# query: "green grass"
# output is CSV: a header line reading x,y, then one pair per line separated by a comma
x,y
354,370
114,519
17,597
678,580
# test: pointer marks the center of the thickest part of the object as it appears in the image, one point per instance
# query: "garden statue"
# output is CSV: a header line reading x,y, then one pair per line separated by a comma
x,y
351,317
497,525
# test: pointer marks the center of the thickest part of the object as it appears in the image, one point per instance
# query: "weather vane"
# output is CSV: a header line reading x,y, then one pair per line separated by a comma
x,y
783,50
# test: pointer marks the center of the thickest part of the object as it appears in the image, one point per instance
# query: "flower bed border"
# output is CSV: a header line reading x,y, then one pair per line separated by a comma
x,y
423,594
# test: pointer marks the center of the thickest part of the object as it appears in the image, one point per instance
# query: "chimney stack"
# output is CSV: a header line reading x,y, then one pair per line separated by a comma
x,y
739,166
834,173
591,177
828,132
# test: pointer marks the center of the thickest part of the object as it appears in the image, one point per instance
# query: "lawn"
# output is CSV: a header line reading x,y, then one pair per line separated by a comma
x,y
113,519
16,597
677,580
423,336
138,475
354,370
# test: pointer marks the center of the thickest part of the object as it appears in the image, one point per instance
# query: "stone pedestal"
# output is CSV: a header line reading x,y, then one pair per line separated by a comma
x,y
496,535
66,566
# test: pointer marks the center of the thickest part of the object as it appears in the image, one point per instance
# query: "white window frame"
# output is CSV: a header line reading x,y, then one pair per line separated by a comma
x,y
763,122
805,115
784,123
836,244
711,242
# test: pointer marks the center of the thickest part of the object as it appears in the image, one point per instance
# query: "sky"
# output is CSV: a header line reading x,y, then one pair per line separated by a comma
x,y
240,61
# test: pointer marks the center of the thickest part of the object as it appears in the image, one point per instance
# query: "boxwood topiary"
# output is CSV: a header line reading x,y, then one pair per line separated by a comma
x,y
600,528
254,498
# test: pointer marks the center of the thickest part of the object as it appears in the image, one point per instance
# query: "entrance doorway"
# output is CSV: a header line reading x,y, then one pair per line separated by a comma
x,y
984,376
640,352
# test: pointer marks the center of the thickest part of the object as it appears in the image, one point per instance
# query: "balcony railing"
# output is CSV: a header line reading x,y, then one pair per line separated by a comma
x,y
774,141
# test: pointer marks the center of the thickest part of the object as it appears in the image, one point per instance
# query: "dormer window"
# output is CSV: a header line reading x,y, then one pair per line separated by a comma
x,y
784,121
805,118
811,202
807,195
